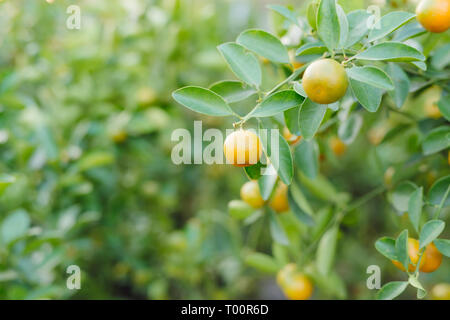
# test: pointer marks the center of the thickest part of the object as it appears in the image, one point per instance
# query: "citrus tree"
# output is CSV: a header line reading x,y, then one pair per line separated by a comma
x,y
329,85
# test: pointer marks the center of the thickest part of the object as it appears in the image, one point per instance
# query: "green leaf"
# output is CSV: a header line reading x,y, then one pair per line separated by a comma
x,y
441,57
357,21
291,120
372,76
254,171
349,129
262,262
409,30
327,250
299,89
276,229
391,51
298,212
243,64
232,91
438,191
389,23
400,196
415,207
430,231
444,106
15,226
279,154
401,249
328,23
285,12
95,159
276,103
239,209
6,180
386,246
323,218
264,44
343,26
368,96
311,13
306,158
202,100
401,84
391,290
310,117
443,245
436,140
311,48
414,281
266,184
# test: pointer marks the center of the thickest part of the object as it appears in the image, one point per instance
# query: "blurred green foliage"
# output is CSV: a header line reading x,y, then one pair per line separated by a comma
x,y
86,178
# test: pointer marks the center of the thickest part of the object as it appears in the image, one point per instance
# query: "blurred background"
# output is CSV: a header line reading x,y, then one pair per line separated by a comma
x,y
86,178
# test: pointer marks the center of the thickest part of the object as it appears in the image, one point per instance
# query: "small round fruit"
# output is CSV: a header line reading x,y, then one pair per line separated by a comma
x,y
441,291
292,139
279,201
433,259
434,15
242,148
325,81
251,195
284,274
413,252
299,288
294,284
338,146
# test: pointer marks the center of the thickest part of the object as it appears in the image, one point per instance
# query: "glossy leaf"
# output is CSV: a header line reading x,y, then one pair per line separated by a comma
x,y
441,57
443,245
262,262
415,207
328,23
326,250
349,129
14,226
277,102
285,12
298,212
438,191
408,31
243,64
391,290
368,96
436,140
401,84
357,21
310,117
391,51
311,48
306,158
389,23
386,246
401,194
430,231
264,44
202,100
232,91
266,183
276,229
279,154
372,76
401,249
